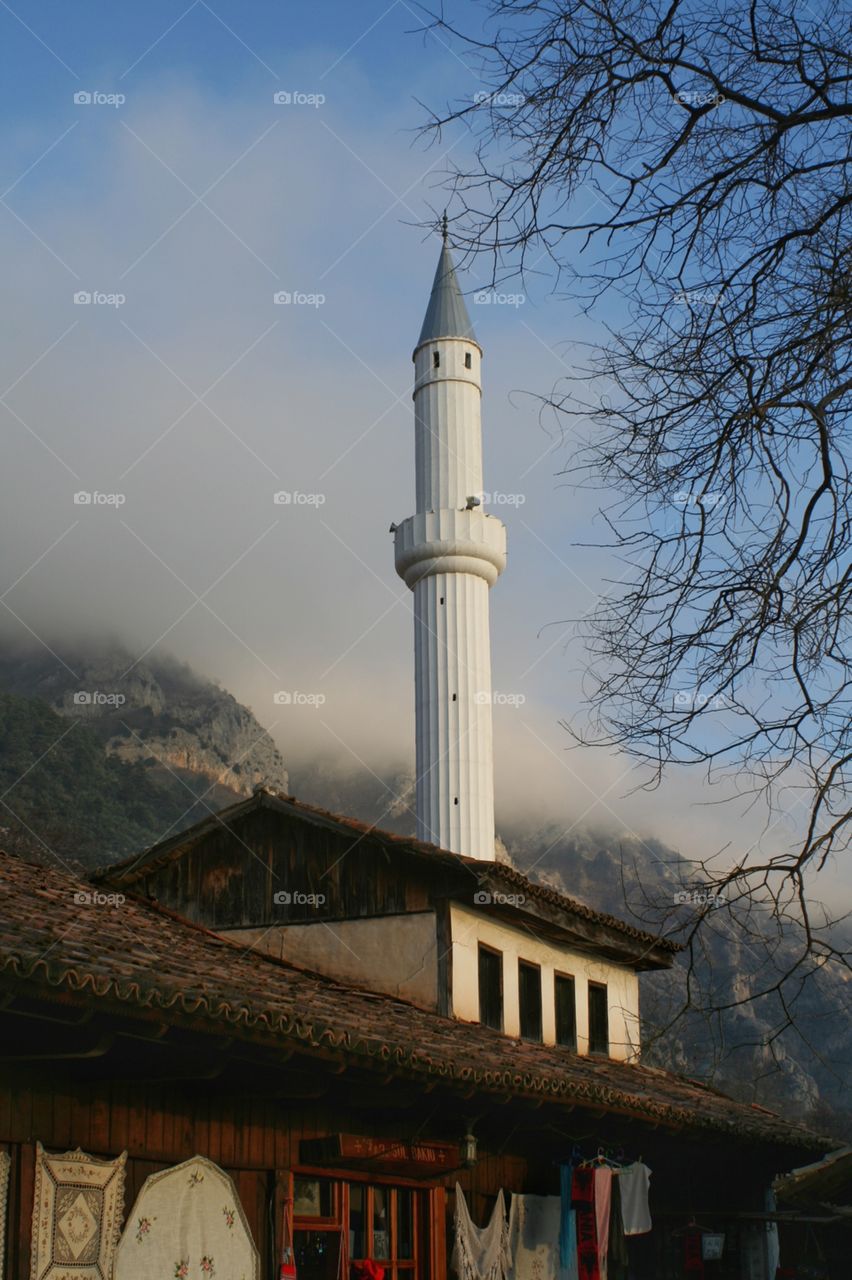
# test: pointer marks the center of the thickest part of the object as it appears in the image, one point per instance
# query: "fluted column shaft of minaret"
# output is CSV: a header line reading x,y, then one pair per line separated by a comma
x,y
447,423
454,751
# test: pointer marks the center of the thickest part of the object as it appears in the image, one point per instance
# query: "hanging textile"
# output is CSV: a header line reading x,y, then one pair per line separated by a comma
x,y
567,1226
480,1253
368,1270
693,1263
603,1202
534,1238
5,1166
617,1260
187,1224
635,1182
583,1196
77,1210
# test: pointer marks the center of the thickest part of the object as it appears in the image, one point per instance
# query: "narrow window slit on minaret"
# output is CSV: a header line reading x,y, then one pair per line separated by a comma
x,y
468,361
436,360
455,697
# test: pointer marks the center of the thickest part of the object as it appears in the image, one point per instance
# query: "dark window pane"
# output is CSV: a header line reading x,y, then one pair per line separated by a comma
x,y
598,1019
317,1254
529,992
381,1223
436,359
491,988
313,1198
357,1221
405,1224
467,360
566,1011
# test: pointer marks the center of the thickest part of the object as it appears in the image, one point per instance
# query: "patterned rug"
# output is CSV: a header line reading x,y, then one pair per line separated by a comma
x,y
5,1166
77,1212
187,1224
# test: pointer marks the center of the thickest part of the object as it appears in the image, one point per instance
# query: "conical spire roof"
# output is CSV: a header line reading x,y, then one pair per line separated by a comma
x,y
446,315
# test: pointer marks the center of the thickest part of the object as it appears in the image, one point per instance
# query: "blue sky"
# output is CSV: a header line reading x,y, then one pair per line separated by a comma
x,y
195,200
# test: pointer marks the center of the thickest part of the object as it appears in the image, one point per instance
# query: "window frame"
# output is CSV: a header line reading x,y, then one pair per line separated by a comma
x,y
419,1266
530,966
484,949
560,976
599,987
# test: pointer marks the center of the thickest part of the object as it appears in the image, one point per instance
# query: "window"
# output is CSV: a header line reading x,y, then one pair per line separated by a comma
x,y
566,1010
598,1018
490,988
385,1223
436,359
529,995
467,360
316,1236
313,1198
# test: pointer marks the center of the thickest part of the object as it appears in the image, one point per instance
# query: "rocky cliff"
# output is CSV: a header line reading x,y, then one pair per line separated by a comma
x,y
153,711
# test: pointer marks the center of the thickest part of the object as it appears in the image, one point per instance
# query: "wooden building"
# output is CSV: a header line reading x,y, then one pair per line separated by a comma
x,y
167,1008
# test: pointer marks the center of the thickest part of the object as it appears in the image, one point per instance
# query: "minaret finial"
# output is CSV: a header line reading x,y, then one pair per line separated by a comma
x,y
444,228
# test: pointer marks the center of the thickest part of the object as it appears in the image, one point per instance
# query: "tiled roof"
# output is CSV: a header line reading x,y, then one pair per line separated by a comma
x,y
133,869
136,956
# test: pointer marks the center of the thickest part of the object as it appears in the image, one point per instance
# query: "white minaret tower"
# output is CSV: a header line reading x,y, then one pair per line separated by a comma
x,y
450,553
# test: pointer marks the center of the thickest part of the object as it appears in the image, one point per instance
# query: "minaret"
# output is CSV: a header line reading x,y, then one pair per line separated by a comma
x,y
450,554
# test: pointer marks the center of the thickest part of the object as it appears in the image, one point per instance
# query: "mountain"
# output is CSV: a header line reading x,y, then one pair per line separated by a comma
x,y
102,755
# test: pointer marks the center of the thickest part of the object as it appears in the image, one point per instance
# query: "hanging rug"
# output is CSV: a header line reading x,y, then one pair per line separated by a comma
x,y
187,1224
77,1211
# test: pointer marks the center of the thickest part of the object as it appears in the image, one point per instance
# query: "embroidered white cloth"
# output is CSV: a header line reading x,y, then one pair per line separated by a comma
x,y
187,1224
77,1211
534,1237
5,1166
480,1253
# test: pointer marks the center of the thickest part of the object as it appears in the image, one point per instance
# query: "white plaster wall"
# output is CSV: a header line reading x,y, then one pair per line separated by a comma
x,y
468,929
396,954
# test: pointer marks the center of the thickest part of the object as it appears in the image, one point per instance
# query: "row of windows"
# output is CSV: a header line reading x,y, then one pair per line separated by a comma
x,y
436,360
339,1222
530,1002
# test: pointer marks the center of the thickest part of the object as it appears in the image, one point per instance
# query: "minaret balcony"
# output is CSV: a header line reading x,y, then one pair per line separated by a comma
x,y
448,541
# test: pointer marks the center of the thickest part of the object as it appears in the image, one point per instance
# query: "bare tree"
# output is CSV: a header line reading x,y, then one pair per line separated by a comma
x,y
694,156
